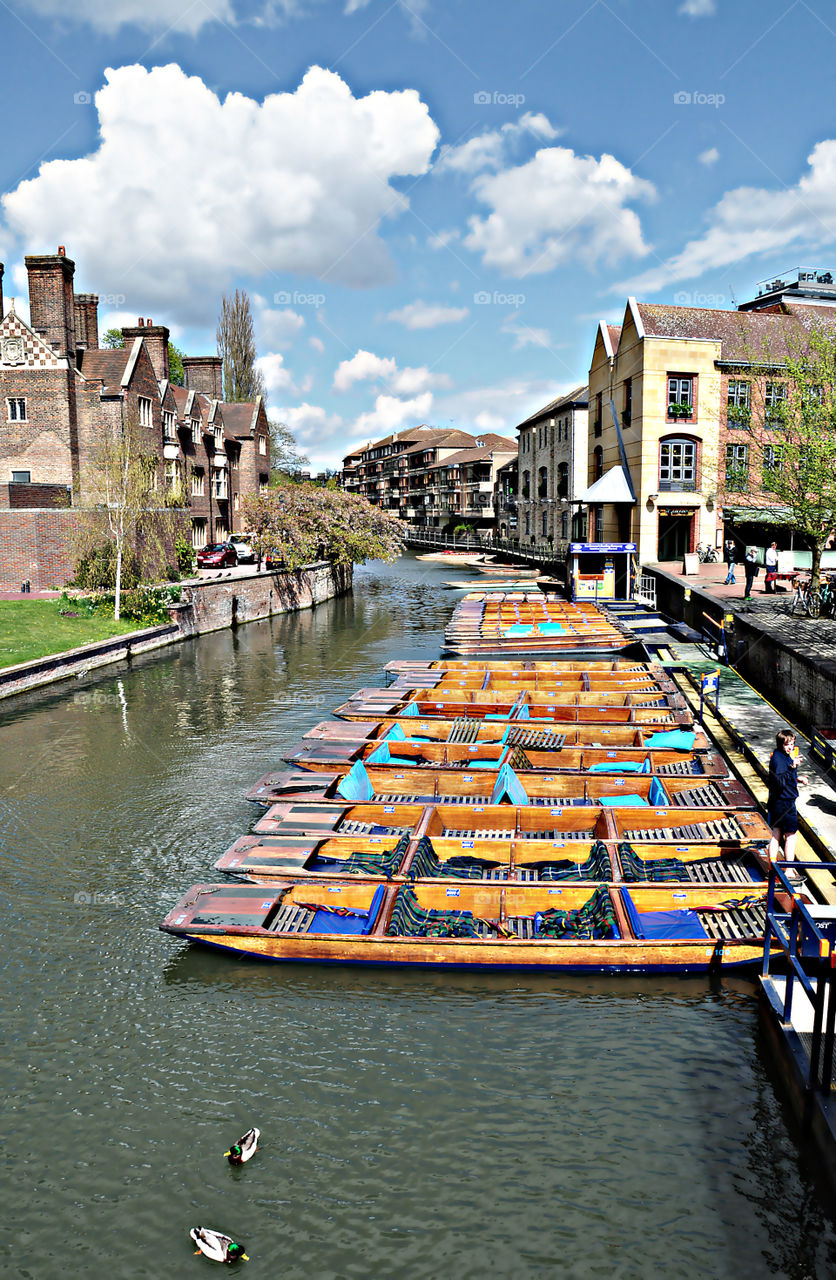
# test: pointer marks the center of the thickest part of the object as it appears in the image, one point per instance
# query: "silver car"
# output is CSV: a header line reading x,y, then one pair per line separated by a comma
x,y
243,548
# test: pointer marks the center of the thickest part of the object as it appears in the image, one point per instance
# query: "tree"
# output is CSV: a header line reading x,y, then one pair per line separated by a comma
x,y
790,430
236,344
285,456
300,523
113,338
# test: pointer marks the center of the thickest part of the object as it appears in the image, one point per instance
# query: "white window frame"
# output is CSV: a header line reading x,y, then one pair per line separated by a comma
x,y
198,483
146,418
13,413
262,444
168,424
195,425
680,468
199,533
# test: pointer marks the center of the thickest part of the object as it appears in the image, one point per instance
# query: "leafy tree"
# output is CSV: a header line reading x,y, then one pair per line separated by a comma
x,y
300,523
286,457
113,338
236,344
791,432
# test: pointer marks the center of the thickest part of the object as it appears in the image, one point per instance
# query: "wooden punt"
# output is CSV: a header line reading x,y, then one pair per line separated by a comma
x,y
589,666
557,705
323,756
439,785
546,825
506,621
465,730
503,927
263,859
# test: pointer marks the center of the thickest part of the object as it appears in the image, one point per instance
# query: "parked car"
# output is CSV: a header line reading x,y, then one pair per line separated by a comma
x,y
217,555
243,548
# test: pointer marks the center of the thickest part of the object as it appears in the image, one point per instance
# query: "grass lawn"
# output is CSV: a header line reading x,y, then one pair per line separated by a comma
x,y
32,629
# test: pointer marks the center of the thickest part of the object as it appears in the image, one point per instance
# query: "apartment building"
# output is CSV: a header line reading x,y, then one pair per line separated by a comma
x,y
552,463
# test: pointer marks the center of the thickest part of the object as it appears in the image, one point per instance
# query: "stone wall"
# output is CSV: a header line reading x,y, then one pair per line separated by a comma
x,y
210,604
38,546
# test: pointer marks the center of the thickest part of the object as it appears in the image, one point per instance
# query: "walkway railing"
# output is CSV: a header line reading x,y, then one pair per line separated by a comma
x,y
541,553
645,592
810,955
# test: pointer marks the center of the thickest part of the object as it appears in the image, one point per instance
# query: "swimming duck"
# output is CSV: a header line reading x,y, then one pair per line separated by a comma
x,y
218,1247
245,1148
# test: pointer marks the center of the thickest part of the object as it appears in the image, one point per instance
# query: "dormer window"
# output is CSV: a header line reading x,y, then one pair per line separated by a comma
x,y
195,425
168,424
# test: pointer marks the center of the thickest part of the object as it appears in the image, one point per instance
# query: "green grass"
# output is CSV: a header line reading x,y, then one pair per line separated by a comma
x,y
32,629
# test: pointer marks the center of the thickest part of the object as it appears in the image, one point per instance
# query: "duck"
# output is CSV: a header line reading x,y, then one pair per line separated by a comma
x,y
245,1148
218,1247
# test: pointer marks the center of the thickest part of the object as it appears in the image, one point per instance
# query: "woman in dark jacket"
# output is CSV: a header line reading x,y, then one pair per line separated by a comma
x,y
782,814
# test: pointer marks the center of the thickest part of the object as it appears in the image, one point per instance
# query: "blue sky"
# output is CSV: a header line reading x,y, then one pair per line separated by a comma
x,y
430,204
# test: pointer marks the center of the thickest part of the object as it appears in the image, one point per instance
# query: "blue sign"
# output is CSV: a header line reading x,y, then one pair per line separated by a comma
x,y
710,683
600,547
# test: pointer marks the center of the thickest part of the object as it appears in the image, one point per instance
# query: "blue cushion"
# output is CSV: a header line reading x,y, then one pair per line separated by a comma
x,y
326,921
508,786
376,903
657,794
380,755
522,712
395,734
356,786
519,629
626,766
671,925
411,709
678,739
647,766
632,801
551,628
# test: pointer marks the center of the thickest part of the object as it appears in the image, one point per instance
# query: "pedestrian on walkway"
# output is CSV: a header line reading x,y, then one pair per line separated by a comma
x,y
730,556
751,568
782,814
771,559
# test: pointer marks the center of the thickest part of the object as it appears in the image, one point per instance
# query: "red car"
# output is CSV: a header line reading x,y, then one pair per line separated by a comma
x,y
219,555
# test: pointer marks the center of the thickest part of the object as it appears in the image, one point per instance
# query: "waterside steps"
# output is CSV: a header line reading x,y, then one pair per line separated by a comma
x,y
798,1006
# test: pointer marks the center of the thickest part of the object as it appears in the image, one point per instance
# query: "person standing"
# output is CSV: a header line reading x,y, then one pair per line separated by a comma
x,y
771,559
782,814
751,568
730,555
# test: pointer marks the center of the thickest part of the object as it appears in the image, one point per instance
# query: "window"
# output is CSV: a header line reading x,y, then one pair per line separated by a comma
x,y
21,477
563,480
628,401
219,439
542,483
677,464
145,415
198,534
774,397
16,409
220,529
772,465
220,484
198,482
195,425
737,467
170,474
262,444
597,463
599,524
739,403
168,424
564,525
680,396
597,425
236,502
526,486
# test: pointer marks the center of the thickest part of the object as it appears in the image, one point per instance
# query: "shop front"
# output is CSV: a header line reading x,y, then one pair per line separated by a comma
x,y
677,532
601,570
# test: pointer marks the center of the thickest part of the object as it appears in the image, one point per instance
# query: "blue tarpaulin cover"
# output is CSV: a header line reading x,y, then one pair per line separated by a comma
x,y
670,925
626,766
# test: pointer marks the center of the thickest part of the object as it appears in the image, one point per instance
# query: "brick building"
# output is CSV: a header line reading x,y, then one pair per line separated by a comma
x,y
60,392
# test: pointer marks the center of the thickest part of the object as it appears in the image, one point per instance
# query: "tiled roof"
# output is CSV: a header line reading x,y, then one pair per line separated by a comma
x,y
580,394
614,330
498,445
743,335
106,365
238,418
439,438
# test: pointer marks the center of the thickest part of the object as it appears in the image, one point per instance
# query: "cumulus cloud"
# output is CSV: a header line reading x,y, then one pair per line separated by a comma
x,y
275,327
488,150
709,157
698,8
427,315
278,379
317,344
558,206
390,414
752,220
187,16
311,424
510,401
365,366
169,215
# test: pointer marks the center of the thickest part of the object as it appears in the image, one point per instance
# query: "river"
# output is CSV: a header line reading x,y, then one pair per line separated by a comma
x,y
413,1125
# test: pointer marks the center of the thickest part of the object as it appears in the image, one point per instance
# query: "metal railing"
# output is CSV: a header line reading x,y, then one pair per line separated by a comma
x,y
645,592
808,951
483,540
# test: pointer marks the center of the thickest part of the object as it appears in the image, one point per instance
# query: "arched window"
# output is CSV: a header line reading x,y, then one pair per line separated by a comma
x,y
598,463
563,480
677,463
542,483
526,484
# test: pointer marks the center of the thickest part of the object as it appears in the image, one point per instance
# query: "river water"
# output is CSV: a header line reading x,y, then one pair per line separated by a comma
x,y
414,1125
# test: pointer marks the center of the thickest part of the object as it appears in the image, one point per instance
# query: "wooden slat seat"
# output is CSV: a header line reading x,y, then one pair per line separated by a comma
x,y
717,829
292,919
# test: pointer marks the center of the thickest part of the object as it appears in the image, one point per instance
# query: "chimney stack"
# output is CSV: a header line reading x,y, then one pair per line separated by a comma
x,y
51,301
155,337
87,320
205,374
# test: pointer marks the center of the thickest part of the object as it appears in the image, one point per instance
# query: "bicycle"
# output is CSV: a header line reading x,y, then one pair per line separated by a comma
x,y
805,600
707,553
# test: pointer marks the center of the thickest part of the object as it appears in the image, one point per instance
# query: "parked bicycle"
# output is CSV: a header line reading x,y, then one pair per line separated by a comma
x,y
707,553
805,600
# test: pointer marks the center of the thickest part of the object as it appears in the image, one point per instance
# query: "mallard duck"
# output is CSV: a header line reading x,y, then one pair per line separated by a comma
x,y
218,1247
245,1148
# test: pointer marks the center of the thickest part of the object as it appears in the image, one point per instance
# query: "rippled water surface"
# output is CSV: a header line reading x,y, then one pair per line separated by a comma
x,y
414,1125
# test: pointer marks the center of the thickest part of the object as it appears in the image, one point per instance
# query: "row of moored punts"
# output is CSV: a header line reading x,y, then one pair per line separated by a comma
x,y
503,813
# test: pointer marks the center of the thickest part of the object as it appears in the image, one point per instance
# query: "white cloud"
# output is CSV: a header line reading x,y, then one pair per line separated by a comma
x,y
499,406
441,239
557,206
709,157
317,344
427,315
390,414
278,379
275,328
751,220
365,366
524,335
488,150
188,16
698,8
299,183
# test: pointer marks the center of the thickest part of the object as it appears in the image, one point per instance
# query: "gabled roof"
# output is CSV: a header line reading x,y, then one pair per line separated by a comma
x,y
579,396
240,418
492,444
106,365
613,486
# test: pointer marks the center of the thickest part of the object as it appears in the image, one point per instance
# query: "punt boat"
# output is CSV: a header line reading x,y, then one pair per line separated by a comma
x,y
555,704
589,666
494,786
482,925
548,827
264,859
464,730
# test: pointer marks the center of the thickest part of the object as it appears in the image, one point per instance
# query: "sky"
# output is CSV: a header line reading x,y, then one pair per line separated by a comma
x,y
430,203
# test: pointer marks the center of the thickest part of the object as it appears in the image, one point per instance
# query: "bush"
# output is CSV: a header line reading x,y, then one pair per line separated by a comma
x,y
186,556
97,568
149,605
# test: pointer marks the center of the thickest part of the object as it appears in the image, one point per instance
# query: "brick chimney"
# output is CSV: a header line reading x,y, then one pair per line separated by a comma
x,y
51,302
87,320
155,337
204,373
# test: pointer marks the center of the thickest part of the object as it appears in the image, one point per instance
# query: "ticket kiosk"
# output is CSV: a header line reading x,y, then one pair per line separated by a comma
x,y
601,570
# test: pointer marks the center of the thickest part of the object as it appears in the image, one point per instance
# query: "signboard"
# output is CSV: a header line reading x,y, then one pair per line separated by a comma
x,y
600,548
676,511
710,683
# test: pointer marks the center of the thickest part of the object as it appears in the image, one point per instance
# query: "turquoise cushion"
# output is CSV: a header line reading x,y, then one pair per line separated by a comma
x,y
411,709
657,795
627,766
508,787
356,786
395,734
631,801
677,739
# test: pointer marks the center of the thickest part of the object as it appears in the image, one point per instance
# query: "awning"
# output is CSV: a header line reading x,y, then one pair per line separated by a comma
x,y
613,486
758,515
